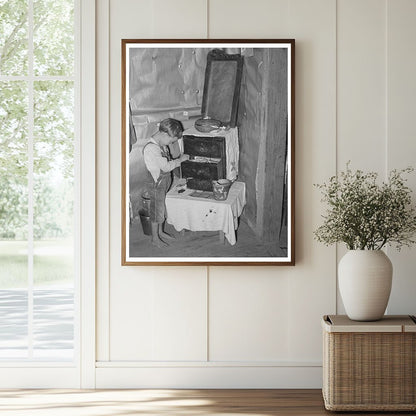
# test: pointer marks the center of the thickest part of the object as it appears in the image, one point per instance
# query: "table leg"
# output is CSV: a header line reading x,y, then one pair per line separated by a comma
x,y
222,239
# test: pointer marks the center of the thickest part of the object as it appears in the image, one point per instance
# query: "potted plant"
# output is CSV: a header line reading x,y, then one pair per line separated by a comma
x,y
366,215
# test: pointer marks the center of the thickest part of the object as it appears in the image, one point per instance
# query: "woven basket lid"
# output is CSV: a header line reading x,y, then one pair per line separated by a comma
x,y
390,323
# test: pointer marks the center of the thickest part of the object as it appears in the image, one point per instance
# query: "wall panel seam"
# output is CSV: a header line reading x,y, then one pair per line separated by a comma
x,y
208,22
207,313
386,40
108,23
336,143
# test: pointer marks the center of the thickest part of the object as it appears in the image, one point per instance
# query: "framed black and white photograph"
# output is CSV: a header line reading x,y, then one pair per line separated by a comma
x,y
208,152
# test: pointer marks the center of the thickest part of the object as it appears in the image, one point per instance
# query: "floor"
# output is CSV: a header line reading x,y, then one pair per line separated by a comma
x,y
165,402
202,244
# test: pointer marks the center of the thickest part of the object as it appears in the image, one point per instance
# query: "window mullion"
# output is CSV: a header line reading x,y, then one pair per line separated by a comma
x,y
38,78
30,178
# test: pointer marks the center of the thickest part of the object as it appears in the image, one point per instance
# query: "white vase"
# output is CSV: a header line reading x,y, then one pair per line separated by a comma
x,y
364,278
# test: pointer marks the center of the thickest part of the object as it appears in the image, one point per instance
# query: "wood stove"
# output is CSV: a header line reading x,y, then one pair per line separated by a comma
x,y
207,161
214,155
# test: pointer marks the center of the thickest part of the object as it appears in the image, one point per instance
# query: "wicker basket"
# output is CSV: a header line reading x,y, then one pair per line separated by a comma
x,y
369,366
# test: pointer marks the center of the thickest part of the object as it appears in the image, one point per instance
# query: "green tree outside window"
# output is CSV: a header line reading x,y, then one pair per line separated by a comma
x,y
51,56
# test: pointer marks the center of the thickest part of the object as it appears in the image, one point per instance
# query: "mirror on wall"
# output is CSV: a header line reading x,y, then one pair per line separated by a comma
x,y
222,86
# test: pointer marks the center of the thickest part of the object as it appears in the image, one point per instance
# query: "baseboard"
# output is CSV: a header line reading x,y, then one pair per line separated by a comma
x,y
209,377
39,378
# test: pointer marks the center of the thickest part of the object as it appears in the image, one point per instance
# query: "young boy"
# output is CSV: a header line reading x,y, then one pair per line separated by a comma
x,y
158,162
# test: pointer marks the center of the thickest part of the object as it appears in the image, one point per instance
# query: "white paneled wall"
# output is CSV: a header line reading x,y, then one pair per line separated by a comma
x,y
361,84
311,282
361,88
254,326
163,316
248,315
246,20
401,132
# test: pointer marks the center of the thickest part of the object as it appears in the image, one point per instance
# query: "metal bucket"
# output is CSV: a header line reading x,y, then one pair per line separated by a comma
x,y
221,187
146,202
146,223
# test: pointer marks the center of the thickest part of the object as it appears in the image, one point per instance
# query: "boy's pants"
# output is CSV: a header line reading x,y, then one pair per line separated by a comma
x,y
158,196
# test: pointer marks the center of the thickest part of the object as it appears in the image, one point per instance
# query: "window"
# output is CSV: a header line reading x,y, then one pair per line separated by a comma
x,y
38,185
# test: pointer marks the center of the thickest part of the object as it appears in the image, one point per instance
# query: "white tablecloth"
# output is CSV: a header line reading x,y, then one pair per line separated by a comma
x,y
200,214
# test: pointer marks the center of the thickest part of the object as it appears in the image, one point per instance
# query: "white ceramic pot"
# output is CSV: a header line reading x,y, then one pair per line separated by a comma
x,y
364,278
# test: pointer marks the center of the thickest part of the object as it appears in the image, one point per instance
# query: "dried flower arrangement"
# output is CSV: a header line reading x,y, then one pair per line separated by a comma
x,y
366,215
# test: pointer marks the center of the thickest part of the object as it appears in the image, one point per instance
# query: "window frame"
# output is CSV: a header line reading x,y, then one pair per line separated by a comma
x,y
81,371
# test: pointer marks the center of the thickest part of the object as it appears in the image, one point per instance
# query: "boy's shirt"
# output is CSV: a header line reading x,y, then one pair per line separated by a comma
x,y
157,160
